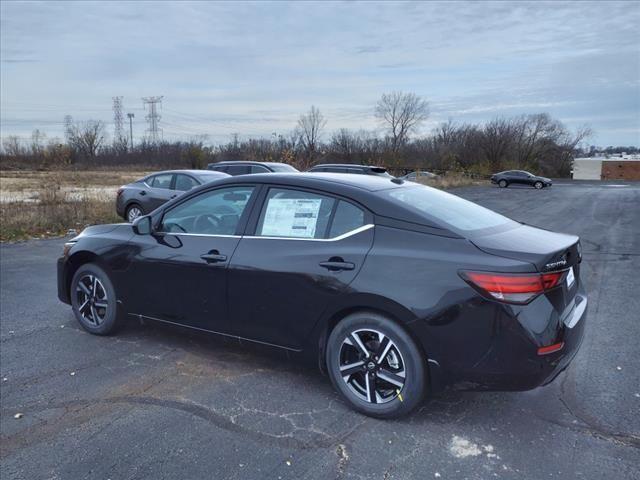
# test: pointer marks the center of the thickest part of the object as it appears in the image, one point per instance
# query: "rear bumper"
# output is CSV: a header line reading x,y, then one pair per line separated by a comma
x,y
512,362
120,207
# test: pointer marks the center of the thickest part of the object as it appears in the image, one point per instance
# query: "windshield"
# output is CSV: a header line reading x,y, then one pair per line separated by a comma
x,y
282,167
450,210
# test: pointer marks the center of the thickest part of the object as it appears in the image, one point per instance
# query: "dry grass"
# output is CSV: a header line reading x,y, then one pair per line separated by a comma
x,y
50,204
452,180
19,180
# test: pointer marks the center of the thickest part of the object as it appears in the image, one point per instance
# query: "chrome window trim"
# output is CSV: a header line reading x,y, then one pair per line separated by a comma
x,y
178,234
334,239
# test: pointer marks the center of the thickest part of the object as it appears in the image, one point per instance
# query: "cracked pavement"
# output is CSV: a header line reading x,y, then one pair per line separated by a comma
x,y
157,402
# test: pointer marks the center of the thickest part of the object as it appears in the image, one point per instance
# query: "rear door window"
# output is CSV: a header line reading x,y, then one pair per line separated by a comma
x,y
161,181
295,214
238,169
347,217
185,182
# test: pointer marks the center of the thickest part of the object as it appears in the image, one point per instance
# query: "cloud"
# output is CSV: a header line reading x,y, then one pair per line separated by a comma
x,y
252,68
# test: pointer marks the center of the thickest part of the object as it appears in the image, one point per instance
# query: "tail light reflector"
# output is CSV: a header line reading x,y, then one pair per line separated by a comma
x,y
513,287
550,348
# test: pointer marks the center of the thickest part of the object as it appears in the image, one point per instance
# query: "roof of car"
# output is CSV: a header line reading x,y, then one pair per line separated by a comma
x,y
352,165
319,180
192,172
246,162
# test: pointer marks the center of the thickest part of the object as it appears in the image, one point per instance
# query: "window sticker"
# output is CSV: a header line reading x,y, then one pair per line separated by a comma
x,y
291,217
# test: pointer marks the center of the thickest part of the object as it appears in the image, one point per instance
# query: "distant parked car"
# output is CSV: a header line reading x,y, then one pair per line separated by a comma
x,y
520,177
145,195
349,168
234,168
419,174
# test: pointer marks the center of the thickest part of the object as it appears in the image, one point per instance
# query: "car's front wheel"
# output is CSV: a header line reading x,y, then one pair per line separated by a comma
x,y
503,183
93,300
376,366
538,185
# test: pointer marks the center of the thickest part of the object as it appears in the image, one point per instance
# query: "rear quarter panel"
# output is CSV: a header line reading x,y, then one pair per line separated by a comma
x,y
418,273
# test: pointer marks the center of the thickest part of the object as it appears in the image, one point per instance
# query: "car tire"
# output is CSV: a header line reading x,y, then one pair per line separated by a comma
x,y
538,185
133,211
393,362
94,301
503,184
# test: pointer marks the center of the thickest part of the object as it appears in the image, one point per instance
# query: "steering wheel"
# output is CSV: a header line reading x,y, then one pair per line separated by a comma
x,y
206,223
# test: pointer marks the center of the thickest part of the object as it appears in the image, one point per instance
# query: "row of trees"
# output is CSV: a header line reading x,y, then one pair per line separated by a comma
x,y
536,142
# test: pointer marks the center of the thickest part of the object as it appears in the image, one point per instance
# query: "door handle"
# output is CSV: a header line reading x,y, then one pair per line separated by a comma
x,y
213,256
335,264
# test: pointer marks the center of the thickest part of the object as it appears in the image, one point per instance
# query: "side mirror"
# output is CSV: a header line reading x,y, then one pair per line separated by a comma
x,y
142,225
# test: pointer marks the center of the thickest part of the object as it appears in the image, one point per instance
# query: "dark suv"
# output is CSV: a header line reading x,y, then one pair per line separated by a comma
x,y
520,177
243,168
349,168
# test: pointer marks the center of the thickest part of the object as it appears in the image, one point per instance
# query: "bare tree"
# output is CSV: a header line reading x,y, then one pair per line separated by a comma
x,y
12,146
401,113
310,126
87,138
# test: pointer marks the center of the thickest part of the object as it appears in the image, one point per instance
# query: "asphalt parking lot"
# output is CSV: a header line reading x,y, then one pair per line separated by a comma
x,y
156,403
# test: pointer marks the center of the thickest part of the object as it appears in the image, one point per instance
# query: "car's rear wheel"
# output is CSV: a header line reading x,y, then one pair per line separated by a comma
x,y
376,366
93,299
538,185
133,211
503,183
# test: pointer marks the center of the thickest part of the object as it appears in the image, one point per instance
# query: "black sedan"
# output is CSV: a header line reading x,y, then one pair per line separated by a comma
x,y
148,193
395,289
520,177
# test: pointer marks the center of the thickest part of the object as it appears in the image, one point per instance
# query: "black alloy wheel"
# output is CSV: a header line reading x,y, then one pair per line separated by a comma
x,y
93,299
376,366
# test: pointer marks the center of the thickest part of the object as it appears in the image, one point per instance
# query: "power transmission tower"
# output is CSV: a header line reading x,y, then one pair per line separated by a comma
x,y
117,120
68,128
153,117
131,115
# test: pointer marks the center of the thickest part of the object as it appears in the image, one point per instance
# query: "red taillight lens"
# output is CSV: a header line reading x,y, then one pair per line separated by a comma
x,y
513,287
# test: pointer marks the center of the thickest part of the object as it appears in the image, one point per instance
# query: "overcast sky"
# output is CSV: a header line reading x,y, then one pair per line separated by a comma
x,y
252,68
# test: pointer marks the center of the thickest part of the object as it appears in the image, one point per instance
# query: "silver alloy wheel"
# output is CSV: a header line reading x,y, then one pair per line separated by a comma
x,y
372,366
92,299
133,213
502,183
538,185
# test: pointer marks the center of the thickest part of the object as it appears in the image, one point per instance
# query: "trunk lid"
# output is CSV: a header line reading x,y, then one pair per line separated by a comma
x,y
547,251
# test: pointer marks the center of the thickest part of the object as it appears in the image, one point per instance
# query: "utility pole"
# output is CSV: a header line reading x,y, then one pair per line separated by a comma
x,y
153,117
130,115
117,120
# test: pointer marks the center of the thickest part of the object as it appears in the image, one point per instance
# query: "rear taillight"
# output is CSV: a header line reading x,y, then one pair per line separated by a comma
x,y
513,287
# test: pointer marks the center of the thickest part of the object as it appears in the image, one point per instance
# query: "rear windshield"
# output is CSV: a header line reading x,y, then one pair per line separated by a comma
x,y
447,209
209,176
